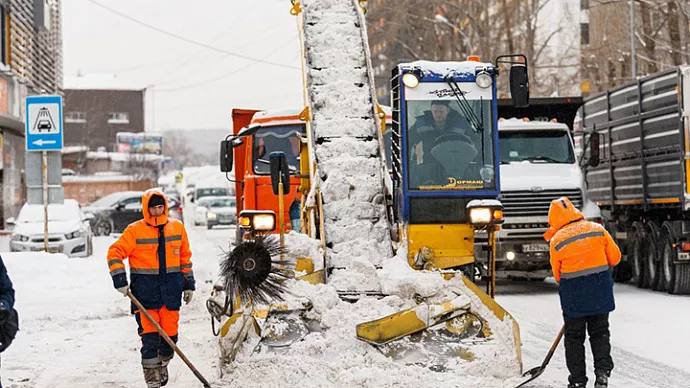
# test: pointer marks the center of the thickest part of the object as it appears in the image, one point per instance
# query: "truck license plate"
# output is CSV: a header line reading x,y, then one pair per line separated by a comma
x,y
683,255
535,247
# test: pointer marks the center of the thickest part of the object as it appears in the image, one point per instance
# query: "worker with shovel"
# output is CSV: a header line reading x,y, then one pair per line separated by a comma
x,y
582,253
161,276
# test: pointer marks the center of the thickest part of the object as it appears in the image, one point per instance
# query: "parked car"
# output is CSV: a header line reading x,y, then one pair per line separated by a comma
x,y
69,230
114,212
200,210
221,211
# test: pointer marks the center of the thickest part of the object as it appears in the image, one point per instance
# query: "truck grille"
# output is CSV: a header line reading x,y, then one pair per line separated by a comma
x,y
528,203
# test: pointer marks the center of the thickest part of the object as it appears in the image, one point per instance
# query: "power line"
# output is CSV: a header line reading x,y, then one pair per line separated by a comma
x,y
182,38
208,81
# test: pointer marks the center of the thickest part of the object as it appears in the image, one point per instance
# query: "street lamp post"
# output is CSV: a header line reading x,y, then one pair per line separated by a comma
x,y
632,39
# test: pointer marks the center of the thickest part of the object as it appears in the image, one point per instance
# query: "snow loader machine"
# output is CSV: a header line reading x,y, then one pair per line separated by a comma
x,y
377,234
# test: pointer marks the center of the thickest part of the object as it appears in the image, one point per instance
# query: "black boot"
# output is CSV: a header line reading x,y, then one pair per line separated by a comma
x,y
164,372
577,385
152,375
602,380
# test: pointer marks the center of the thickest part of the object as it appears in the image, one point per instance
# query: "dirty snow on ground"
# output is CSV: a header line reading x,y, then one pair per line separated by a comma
x,y
76,330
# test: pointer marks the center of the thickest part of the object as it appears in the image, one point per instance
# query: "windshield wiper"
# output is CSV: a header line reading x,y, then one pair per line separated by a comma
x,y
476,123
290,167
543,159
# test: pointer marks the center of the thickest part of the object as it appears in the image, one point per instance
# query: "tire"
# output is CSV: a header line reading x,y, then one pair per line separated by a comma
x,y
668,256
652,247
635,254
104,227
681,284
89,247
209,227
623,272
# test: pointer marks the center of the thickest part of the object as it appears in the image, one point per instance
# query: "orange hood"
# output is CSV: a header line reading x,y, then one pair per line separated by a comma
x,y
561,213
155,221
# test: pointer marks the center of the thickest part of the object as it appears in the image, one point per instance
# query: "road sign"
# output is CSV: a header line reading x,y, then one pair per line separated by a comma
x,y
44,123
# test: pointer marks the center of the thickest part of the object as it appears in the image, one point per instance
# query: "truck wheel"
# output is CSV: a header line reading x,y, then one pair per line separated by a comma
x,y
651,252
623,272
635,254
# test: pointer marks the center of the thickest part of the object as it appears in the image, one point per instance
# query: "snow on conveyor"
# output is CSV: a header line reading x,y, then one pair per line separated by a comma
x,y
346,144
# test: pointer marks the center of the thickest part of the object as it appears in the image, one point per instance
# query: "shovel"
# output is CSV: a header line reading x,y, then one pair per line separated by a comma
x,y
537,371
168,340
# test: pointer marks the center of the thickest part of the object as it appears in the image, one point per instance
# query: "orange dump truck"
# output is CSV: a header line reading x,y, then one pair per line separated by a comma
x,y
280,132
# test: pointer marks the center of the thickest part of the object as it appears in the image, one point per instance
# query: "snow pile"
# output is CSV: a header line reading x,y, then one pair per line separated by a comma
x,y
398,278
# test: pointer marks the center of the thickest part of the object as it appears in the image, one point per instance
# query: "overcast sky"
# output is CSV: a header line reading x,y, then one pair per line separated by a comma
x,y
193,86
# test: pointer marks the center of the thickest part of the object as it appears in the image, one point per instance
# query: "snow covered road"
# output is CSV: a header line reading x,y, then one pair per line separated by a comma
x,y
76,330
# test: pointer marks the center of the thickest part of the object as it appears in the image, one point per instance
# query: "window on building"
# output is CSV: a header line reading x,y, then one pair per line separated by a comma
x,y
584,33
75,117
118,118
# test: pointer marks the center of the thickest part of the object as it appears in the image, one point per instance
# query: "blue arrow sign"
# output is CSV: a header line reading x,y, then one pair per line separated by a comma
x,y
44,123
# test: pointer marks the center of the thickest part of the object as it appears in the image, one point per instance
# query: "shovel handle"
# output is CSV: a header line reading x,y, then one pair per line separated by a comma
x,y
554,346
168,339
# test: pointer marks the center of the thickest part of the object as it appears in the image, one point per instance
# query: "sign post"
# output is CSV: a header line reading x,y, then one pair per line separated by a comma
x,y
44,134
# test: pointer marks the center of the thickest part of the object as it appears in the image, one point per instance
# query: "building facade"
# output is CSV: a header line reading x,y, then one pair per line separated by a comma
x,y
662,40
93,118
30,63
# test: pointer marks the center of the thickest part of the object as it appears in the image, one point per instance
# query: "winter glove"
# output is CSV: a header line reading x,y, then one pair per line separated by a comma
x,y
124,290
187,296
4,312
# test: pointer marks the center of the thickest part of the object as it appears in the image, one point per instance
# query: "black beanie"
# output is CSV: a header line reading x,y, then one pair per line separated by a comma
x,y
156,200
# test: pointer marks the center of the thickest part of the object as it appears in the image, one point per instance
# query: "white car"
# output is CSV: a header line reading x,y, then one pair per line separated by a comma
x,y
69,230
200,209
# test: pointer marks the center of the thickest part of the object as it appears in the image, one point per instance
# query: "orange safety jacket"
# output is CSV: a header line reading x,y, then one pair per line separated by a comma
x,y
159,258
582,252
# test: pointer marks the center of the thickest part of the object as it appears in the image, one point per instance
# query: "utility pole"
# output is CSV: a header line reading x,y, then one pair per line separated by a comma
x,y
632,39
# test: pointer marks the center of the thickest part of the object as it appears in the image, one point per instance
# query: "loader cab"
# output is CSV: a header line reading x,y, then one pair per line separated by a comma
x,y
444,152
257,134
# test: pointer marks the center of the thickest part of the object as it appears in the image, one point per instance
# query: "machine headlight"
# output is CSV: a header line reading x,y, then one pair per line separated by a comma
x,y
485,212
20,237
75,234
410,80
211,216
483,80
260,221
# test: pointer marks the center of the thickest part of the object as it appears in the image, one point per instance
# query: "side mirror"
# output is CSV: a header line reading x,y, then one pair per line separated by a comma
x,y
120,206
10,221
226,156
594,143
279,168
519,85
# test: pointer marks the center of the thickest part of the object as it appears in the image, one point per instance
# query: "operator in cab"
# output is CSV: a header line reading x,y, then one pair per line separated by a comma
x,y
278,139
442,146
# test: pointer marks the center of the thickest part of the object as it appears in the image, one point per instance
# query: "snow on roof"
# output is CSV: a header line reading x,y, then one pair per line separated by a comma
x,y
74,149
98,178
443,68
277,117
100,82
123,156
519,124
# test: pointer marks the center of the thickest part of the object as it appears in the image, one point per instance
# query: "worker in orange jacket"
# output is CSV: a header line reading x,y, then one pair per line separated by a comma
x,y
582,253
161,275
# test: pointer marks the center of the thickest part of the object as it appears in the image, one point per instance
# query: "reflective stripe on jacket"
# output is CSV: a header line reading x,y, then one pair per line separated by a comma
x,y
159,259
582,253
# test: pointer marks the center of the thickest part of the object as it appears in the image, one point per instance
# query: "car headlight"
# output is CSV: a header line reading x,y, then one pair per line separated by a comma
x,y
260,221
211,216
485,212
483,80
75,234
20,237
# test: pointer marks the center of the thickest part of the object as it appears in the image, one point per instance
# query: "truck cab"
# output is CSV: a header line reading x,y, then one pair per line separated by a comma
x,y
537,165
279,131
